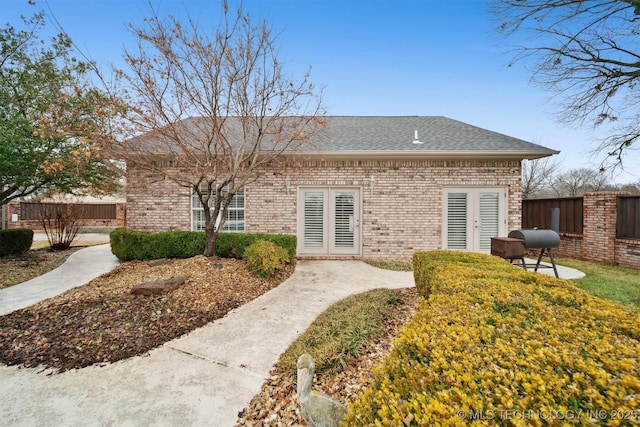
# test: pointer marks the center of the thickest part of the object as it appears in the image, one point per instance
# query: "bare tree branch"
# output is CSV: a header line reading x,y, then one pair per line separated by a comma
x,y
587,53
213,108
537,175
576,182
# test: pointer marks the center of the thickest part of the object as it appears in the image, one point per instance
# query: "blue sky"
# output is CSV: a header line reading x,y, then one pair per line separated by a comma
x,y
373,57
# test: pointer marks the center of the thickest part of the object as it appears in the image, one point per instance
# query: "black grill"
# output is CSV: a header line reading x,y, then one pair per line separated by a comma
x,y
537,239
545,240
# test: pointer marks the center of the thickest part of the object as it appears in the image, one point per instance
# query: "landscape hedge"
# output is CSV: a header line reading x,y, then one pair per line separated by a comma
x,y
15,241
129,245
492,344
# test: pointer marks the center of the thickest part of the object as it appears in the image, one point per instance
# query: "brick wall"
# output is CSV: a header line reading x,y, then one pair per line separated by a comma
x,y
400,215
156,204
599,232
570,246
628,253
598,241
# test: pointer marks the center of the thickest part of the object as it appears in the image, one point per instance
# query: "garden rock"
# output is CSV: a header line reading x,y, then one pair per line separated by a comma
x,y
159,286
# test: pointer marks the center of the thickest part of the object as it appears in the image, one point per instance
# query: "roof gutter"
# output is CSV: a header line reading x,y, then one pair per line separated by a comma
x,y
424,155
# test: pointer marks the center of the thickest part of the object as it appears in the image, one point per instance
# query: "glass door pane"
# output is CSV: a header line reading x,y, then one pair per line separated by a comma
x,y
343,220
314,220
457,221
489,224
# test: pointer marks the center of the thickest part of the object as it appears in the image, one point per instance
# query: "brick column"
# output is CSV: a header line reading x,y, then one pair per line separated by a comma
x,y
599,227
13,207
121,215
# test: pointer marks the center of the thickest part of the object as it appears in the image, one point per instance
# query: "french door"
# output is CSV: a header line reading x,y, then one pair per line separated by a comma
x,y
329,221
472,216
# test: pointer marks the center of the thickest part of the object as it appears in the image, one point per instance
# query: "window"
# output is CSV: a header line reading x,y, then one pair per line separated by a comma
x,y
235,213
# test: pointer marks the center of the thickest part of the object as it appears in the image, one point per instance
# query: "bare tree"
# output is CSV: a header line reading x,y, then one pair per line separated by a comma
x,y
537,175
631,188
61,221
587,52
215,107
576,182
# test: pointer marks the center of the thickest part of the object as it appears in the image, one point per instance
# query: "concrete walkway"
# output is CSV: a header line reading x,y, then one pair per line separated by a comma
x,y
81,267
546,268
201,379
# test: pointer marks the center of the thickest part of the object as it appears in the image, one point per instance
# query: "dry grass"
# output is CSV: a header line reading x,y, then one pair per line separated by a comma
x,y
41,244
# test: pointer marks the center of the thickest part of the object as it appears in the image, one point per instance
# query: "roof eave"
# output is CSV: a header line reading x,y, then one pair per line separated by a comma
x,y
425,155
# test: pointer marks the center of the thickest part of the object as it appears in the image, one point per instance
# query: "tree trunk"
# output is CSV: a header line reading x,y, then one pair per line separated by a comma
x,y
210,238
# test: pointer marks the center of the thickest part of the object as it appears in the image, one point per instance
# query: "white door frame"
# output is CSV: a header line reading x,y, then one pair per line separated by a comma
x,y
321,240
478,230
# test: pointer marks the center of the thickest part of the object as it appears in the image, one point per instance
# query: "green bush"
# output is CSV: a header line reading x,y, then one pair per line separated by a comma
x,y
15,241
141,245
264,258
128,245
428,267
506,346
233,245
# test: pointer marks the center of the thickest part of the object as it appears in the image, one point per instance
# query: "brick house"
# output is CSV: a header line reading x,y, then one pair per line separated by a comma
x,y
377,187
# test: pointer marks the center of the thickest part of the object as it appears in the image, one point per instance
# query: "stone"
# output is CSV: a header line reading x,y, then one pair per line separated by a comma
x,y
159,286
317,408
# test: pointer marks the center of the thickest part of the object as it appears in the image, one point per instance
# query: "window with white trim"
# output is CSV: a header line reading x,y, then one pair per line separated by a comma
x,y
235,213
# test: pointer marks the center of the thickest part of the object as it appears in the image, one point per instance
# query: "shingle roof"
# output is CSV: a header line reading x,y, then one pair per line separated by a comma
x,y
385,137
439,136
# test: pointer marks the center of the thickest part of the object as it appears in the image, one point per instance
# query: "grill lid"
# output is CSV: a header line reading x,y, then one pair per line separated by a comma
x,y
537,238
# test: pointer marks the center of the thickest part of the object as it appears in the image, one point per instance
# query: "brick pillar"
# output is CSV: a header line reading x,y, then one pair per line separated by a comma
x,y
121,215
599,227
13,207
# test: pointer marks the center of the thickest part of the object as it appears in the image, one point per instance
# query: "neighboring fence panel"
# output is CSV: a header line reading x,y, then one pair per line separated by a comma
x,y
628,223
95,211
537,213
31,211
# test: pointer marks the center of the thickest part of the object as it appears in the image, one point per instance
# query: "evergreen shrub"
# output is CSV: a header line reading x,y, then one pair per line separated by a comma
x,y
15,241
264,258
492,344
142,245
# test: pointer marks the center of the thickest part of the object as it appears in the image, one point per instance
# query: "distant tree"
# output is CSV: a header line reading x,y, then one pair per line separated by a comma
x,y
576,182
632,188
51,119
588,52
537,175
215,108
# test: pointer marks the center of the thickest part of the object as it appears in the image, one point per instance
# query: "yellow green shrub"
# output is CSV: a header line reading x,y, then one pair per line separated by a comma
x,y
495,345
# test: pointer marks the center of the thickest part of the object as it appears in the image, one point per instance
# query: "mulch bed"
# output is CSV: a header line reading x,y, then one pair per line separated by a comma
x,y
103,322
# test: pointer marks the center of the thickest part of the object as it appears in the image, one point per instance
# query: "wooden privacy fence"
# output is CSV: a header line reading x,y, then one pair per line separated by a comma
x,y
600,226
33,211
628,222
97,216
536,213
